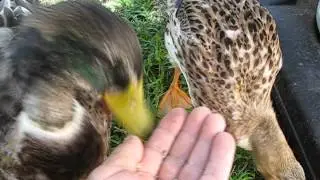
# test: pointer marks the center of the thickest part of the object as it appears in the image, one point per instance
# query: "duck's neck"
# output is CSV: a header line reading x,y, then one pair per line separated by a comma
x,y
50,113
264,126
55,128
268,132
269,145
62,134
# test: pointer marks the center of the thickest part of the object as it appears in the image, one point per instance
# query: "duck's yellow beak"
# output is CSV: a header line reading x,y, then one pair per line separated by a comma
x,y
130,110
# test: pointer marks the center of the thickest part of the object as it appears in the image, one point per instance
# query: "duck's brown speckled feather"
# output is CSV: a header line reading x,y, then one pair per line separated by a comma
x,y
232,49
229,53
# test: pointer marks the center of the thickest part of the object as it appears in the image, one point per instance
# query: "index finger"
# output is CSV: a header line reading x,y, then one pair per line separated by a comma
x,y
161,141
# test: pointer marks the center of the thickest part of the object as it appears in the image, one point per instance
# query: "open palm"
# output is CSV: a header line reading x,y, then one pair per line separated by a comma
x,y
183,146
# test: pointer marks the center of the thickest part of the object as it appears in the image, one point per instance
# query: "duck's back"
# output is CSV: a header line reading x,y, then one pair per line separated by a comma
x,y
229,51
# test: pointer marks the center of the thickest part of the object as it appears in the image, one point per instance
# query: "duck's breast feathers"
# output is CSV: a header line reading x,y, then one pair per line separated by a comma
x,y
233,40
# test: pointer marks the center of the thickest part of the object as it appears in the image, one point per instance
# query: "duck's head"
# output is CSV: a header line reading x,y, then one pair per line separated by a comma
x,y
85,38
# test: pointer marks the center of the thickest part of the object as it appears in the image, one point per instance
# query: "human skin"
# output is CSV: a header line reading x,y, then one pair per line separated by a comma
x,y
188,146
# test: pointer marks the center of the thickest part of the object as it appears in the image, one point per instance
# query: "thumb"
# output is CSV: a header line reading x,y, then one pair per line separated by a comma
x,y
125,157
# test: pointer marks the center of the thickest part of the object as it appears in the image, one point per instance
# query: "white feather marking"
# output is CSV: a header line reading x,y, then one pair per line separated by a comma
x,y
242,52
280,64
26,125
232,34
244,143
264,51
172,49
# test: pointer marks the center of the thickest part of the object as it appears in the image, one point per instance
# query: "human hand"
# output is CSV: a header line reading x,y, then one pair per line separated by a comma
x,y
183,146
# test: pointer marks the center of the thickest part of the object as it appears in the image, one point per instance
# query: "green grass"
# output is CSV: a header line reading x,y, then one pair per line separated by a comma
x,y
149,25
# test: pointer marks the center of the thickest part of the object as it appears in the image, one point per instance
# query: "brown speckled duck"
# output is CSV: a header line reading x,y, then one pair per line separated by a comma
x,y
63,72
229,53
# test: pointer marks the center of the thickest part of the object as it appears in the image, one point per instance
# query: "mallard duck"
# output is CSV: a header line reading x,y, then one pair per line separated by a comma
x,y
229,53
63,72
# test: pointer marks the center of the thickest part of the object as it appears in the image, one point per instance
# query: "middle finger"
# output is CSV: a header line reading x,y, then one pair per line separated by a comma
x,y
184,144
195,165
